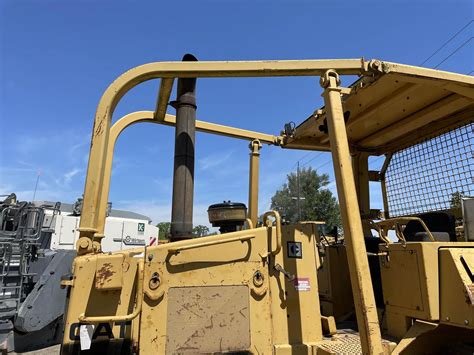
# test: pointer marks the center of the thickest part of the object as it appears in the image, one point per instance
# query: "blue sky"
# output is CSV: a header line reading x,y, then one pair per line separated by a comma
x,y
58,57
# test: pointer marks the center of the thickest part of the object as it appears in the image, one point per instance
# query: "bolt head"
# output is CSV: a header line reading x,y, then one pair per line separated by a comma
x,y
258,278
154,281
84,243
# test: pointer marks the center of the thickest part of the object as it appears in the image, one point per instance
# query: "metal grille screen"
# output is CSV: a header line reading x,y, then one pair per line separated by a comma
x,y
424,177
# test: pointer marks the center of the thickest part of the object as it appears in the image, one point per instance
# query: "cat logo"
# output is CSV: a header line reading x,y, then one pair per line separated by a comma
x,y
295,250
102,330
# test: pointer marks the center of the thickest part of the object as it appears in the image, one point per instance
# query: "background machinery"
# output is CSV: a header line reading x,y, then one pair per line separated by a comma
x,y
284,289
37,248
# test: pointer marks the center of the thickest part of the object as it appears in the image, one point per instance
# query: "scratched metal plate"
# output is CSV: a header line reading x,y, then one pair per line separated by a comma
x,y
208,319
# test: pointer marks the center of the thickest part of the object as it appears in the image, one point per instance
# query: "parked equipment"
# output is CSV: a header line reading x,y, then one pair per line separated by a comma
x,y
37,249
257,289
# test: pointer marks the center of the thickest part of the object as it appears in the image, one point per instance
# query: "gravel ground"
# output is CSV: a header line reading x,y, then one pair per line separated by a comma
x,y
52,350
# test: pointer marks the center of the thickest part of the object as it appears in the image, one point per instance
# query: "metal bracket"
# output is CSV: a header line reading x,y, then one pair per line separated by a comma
x,y
288,275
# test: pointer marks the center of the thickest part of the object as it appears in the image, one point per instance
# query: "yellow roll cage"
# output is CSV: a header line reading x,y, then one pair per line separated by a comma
x,y
390,106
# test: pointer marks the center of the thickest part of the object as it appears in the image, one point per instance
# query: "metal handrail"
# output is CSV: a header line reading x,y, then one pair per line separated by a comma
x,y
6,257
394,223
177,250
267,223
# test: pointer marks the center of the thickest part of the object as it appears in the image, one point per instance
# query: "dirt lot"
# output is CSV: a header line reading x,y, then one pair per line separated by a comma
x,y
53,350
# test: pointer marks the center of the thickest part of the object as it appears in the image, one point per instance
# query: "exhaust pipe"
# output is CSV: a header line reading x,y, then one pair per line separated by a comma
x,y
183,175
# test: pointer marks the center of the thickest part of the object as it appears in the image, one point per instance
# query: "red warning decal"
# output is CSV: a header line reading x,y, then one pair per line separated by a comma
x,y
302,284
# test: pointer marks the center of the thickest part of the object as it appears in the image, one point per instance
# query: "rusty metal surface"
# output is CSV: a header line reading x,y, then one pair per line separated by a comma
x,y
220,261
208,319
108,274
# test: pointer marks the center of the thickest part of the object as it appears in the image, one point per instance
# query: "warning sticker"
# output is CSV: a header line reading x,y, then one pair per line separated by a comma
x,y
302,284
86,332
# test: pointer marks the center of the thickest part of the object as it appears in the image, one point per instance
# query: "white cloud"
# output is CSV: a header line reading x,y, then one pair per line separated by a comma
x,y
333,188
214,160
70,174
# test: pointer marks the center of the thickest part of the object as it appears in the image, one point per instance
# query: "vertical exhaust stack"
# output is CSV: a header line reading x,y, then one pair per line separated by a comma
x,y
183,176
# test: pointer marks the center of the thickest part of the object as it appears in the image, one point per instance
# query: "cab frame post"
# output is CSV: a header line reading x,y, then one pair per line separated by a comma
x,y
360,164
255,147
362,289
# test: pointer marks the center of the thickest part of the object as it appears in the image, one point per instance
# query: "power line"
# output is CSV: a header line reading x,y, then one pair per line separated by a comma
x,y
454,52
323,165
304,156
449,40
300,159
309,161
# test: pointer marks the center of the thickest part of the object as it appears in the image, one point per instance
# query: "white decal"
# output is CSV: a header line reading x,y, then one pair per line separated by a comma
x,y
85,334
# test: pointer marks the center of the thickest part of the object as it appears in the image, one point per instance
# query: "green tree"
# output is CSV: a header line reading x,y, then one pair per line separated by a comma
x,y
200,230
456,199
318,204
164,230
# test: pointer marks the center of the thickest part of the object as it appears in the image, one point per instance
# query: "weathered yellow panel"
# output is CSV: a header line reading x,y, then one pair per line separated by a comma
x,y
334,283
402,283
457,287
410,279
200,265
208,319
86,300
295,303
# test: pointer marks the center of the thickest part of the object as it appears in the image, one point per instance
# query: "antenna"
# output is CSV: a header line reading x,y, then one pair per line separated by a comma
x,y
36,185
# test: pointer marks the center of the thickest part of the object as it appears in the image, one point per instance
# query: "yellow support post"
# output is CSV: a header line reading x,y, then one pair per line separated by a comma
x,y
360,164
364,300
386,210
255,147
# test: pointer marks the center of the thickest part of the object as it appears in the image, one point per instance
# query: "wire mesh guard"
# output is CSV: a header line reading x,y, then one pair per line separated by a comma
x,y
426,176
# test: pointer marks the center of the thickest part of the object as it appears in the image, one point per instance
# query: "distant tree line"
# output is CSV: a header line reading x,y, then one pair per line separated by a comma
x,y
165,230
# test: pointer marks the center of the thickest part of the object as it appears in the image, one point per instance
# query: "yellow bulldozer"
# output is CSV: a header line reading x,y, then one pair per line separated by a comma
x,y
399,281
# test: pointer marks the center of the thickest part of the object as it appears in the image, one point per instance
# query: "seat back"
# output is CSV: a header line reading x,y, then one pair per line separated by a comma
x,y
441,225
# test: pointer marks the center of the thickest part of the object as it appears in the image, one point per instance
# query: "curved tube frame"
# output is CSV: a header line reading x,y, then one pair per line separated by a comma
x,y
96,171
394,223
148,116
95,189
